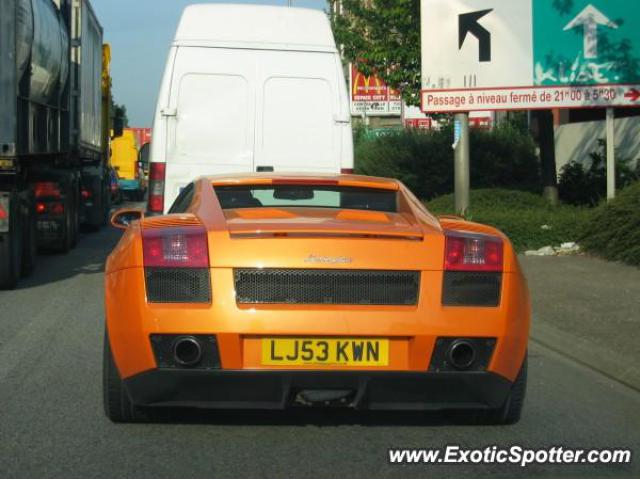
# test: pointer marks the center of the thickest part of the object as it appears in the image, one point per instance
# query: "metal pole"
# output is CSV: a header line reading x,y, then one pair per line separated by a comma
x,y
611,155
461,163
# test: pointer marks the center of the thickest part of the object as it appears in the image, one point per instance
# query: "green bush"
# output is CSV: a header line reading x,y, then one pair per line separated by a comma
x,y
613,230
527,219
580,185
423,160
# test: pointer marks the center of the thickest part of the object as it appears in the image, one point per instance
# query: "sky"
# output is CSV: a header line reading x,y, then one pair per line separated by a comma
x,y
140,33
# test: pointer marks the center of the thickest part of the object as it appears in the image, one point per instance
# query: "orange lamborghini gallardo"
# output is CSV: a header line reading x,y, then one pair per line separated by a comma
x,y
270,291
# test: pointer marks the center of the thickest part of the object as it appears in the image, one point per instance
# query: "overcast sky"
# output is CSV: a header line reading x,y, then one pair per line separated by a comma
x,y
140,32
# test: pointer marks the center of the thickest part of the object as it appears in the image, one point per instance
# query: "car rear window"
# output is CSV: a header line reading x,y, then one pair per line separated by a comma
x,y
309,196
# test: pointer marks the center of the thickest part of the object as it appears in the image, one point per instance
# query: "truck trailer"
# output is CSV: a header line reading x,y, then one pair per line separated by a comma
x,y
55,98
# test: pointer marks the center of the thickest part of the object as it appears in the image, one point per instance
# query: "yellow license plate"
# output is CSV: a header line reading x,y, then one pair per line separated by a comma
x,y
325,351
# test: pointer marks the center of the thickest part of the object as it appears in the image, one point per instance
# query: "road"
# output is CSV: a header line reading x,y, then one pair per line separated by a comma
x,y
52,424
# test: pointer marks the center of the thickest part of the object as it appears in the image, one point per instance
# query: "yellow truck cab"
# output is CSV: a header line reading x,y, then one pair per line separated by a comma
x,y
124,159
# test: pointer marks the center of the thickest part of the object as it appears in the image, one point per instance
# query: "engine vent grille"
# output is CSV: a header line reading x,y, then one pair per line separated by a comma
x,y
178,285
322,286
463,288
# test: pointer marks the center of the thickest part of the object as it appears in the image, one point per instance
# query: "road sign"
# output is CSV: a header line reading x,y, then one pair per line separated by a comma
x,y
498,54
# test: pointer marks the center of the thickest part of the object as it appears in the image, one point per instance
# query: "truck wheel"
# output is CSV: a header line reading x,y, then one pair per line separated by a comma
x,y
11,249
30,244
75,221
117,404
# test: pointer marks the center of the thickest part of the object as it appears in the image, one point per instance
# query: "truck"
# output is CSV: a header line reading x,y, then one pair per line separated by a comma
x,y
249,88
55,98
125,160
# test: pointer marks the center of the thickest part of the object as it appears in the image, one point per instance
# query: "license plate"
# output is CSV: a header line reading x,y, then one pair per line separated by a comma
x,y
325,351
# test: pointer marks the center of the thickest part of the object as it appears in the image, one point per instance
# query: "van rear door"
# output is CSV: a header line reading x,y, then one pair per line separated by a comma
x,y
298,109
212,102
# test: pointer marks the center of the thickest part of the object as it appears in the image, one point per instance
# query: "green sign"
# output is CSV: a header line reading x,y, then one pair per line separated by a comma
x,y
586,42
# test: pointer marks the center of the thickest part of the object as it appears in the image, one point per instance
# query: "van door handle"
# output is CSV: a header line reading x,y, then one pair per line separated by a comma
x,y
173,112
264,169
342,118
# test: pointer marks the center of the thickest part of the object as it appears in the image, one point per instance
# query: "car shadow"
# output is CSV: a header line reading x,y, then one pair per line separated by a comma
x,y
320,417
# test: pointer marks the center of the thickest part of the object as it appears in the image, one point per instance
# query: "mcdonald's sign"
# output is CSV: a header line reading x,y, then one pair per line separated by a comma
x,y
371,96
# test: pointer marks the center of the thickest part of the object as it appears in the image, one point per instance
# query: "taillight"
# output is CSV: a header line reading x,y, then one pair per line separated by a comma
x,y
4,213
47,189
472,252
86,194
347,171
156,187
184,247
53,208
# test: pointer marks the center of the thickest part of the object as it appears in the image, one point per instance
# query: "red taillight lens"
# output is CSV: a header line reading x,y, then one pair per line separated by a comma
x,y
184,247
156,187
86,194
41,208
472,252
47,189
56,208
347,171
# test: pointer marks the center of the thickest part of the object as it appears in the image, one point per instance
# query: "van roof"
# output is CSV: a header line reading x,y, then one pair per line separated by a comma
x,y
255,27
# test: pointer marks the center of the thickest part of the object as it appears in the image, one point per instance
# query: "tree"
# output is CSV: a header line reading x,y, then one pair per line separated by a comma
x,y
122,109
382,37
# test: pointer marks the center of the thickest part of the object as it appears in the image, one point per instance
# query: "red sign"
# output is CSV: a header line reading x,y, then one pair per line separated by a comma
x,y
530,98
143,135
419,123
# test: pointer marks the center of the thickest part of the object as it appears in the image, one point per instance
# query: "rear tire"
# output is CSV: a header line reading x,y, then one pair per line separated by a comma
x,y
30,250
511,410
117,404
11,248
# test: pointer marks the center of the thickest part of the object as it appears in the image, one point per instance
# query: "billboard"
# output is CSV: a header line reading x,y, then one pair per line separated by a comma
x,y
370,96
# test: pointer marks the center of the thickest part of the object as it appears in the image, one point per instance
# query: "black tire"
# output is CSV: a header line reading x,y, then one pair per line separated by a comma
x,y
75,220
30,250
11,249
117,404
106,210
511,411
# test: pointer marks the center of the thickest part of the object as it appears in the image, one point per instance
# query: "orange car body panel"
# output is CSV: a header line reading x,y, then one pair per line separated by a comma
x,y
411,239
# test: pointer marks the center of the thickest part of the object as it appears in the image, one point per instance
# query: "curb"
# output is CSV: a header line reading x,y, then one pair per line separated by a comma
x,y
594,356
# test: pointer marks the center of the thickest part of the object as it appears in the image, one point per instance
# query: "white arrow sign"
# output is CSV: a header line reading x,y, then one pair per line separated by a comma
x,y
589,19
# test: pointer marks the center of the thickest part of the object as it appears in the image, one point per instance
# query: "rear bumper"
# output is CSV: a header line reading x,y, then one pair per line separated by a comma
x,y
251,389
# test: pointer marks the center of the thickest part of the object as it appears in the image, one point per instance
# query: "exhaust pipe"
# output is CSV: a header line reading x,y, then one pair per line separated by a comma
x,y
187,351
462,354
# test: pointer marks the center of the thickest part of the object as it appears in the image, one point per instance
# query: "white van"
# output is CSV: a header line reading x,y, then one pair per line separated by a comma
x,y
249,88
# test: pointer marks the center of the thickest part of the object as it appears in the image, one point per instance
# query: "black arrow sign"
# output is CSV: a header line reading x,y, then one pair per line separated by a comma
x,y
468,23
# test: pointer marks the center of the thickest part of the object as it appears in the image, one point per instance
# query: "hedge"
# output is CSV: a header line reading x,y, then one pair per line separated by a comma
x,y
527,219
613,229
501,158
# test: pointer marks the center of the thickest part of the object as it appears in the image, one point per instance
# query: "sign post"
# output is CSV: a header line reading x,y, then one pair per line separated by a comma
x,y
461,163
611,155
530,54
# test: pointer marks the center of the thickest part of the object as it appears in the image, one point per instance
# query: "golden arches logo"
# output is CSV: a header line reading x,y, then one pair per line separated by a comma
x,y
360,80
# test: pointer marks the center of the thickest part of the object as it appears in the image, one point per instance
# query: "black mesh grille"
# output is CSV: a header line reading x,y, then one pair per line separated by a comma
x,y
463,288
178,285
304,286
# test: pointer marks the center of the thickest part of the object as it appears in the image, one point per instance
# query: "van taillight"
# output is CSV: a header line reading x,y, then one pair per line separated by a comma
x,y
347,171
472,252
156,187
184,247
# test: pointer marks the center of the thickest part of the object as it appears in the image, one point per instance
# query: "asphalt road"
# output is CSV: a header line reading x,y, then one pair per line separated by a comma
x,y
52,424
